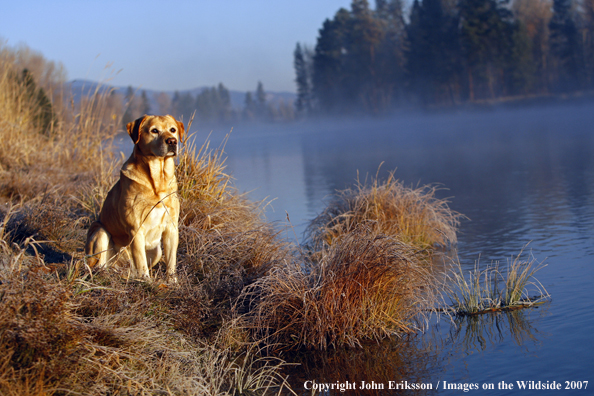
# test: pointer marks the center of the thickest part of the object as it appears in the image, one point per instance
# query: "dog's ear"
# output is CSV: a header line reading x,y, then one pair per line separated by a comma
x,y
181,129
135,128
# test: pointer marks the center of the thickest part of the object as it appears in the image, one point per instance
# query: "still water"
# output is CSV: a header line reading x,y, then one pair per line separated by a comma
x,y
520,176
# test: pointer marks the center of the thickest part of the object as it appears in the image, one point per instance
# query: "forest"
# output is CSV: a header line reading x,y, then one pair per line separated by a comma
x,y
445,53
212,105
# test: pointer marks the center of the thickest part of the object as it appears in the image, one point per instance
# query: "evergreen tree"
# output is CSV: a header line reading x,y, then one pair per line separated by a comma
x,y
260,101
145,106
303,103
361,65
224,110
249,110
521,70
183,106
486,37
391,57
433,52
328,70
44,117
534,17
565,46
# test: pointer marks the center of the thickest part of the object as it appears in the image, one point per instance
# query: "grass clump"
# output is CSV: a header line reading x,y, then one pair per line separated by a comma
x,y
490,289
415,216
364,287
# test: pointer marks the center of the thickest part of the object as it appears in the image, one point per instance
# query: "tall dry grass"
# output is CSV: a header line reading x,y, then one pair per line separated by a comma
x,y
415,215
67,330
365,286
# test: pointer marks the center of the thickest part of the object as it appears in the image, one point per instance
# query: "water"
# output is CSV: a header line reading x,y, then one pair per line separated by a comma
x,y
521,176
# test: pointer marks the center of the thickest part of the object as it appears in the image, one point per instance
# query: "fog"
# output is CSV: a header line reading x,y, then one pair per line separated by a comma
x,y
495,157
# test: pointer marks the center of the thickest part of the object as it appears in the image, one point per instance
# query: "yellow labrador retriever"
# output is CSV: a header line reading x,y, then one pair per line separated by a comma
x,y
142,208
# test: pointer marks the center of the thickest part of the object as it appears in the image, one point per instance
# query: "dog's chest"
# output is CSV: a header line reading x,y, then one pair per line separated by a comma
x,y
155,224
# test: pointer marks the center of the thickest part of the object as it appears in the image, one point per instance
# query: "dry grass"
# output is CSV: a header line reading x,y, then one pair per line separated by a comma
x,y
489,289
415,216
49,348
66,330
364,287
225,242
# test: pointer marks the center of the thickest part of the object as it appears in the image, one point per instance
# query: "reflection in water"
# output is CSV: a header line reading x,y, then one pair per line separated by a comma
x,y
477,333
410,359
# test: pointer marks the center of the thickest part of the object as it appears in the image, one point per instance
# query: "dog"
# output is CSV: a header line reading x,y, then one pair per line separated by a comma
x,y
142,209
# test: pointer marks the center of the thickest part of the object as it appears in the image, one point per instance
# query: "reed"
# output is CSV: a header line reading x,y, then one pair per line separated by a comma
x,y
416,216
490,289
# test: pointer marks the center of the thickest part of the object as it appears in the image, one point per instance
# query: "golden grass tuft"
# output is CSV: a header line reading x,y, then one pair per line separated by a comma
x,y
415,216
364,287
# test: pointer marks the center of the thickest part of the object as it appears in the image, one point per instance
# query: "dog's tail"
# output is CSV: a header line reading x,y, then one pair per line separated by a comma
x,y
97,245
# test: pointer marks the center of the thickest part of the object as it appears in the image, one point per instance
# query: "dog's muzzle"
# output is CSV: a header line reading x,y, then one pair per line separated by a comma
x,y
171,146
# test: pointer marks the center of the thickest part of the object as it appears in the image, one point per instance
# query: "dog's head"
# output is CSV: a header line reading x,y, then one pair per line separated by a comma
x,y
157,135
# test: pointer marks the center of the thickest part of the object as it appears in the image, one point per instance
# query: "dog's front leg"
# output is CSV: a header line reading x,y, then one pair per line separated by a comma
x,y
138,253
170,242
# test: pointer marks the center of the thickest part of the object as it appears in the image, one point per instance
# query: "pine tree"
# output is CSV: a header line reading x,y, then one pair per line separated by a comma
x,y
302,79
224,108
362,68
534,16
249,109
486,37
145,106
391,54
328,63
260,101
44,117
565,46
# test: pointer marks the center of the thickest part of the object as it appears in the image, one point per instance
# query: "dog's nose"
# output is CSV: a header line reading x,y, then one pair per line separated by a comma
x,y
171,141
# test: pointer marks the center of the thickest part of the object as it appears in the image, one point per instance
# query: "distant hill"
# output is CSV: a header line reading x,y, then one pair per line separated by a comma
x,y
80,87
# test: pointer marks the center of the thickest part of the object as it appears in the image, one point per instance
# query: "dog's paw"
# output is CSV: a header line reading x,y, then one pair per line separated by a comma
x,y
172,280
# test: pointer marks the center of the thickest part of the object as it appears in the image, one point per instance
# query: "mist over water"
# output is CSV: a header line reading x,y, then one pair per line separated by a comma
x,y
521,176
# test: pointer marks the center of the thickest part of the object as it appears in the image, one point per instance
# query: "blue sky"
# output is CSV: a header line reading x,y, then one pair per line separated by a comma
x,y
170,45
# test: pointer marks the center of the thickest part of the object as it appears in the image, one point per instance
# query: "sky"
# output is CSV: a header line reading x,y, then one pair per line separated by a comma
x,y
170,45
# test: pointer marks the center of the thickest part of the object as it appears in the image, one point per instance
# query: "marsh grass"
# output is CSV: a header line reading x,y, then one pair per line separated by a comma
x,y
415,215
364,287
490,289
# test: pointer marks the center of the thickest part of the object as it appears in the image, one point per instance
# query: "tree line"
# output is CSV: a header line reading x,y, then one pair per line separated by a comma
x,y
210,106
445,52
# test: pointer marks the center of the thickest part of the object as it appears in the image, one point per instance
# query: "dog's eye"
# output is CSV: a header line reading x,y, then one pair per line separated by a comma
x,y
172,130
154,130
